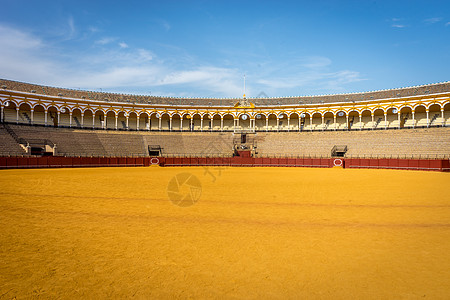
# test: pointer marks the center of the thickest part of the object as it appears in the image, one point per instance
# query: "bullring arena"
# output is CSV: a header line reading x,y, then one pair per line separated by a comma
x,y
324,197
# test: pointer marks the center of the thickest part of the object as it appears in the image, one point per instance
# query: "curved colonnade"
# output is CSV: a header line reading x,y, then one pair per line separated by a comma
x,y
427,110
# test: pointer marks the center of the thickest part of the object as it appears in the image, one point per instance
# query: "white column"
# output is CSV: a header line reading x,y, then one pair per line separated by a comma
x,y
310,122
128,119
17,115
334,122
348,124
299,123
267,123
443,120
159,123
385,120
45,117
360,122
2,114
116,117
289,123
181,123
137,123
428,124
221,123
70,119
82,120
373,121
414,120
93,120
170,123
32,116
58,113
399,119
201,123
323,122
278,123
192,124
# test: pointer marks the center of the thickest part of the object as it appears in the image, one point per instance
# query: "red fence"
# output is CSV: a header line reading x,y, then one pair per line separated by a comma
x,y
360,163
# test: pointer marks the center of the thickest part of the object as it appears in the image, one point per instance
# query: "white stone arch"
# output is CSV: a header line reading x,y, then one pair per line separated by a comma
x,y
366,116
228,121
99,118
176,121
154,120
435,116
354,119
76,117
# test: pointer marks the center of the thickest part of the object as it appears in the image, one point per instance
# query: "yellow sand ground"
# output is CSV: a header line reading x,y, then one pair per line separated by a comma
x,y
255,233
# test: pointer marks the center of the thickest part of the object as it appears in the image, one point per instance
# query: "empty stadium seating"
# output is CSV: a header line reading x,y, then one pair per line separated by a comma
x,y
423,142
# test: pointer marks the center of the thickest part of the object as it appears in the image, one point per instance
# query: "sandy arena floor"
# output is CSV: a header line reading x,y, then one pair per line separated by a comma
x,y
253,233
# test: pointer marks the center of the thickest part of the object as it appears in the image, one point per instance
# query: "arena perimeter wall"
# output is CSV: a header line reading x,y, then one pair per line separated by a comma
x,y
442,165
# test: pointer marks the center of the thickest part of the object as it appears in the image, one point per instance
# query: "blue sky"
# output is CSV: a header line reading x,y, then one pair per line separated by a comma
x,y
204,48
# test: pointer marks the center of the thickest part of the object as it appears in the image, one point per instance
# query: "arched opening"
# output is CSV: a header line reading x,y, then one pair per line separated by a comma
x,y
435,116
207,124
25,114
244,121
282,122
305,121
378,119
39,115
228,122
64,117
316,121
88,119
392,118
76,118
154,121
132,121
121,121
294,122
111,120
272,122
406,117
144,123
99,119
447,114
341,121
366,119
196,122
10,112
328,121
420,116
353,121
176,122
52,116
186,122
260,122
216,122
165,122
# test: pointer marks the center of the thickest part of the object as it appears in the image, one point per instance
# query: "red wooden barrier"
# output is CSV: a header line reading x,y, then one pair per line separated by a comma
x,y
58,161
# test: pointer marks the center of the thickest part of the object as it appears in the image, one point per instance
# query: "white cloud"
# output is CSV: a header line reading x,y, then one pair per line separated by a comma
x,y
447,24
26,57
145,55
106,40
433,20
398,25
72,29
